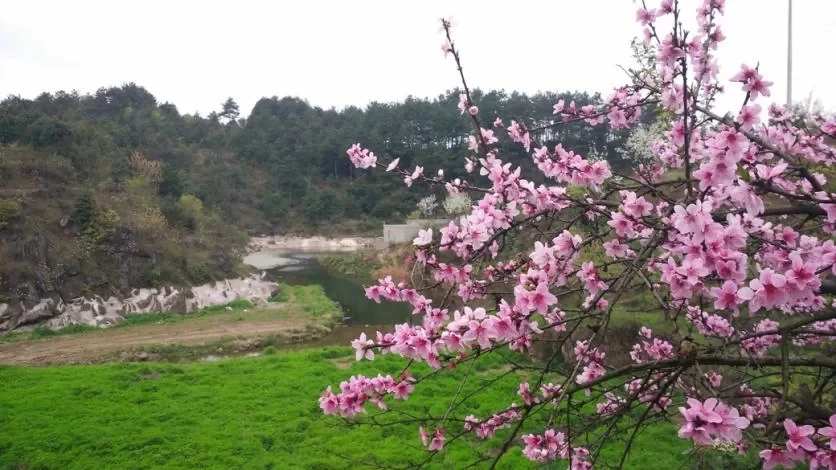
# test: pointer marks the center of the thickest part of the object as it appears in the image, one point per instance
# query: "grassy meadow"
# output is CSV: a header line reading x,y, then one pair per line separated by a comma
x,y
258,413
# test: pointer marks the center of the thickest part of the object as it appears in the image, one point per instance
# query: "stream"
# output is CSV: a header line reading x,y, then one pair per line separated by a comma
x,y
296,267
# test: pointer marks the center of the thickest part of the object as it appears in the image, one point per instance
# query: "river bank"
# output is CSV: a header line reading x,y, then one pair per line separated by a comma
x,y
317,243
370,265
298,314
264,252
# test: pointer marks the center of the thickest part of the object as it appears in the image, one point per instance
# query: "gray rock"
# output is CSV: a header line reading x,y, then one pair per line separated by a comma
x,y
53,311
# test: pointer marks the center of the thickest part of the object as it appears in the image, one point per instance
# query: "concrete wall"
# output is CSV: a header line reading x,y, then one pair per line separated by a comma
x,y
400,233
405,233
428,223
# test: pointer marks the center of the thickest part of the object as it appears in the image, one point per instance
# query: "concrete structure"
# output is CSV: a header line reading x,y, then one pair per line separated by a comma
x,y
399,233
405,233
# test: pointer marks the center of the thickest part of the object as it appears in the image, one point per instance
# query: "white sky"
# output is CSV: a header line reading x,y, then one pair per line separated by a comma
x,y
196,53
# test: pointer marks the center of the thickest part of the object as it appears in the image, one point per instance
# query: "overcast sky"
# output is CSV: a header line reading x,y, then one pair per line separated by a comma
x,y
196,53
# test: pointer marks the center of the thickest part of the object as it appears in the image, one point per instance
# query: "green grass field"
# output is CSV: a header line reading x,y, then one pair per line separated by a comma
x,y
258,413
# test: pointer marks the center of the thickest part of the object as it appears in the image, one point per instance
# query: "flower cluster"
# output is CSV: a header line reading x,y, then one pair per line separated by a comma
x,y
357,390
487,429
725,222
804,444
650,348
552,445
706,421
361,157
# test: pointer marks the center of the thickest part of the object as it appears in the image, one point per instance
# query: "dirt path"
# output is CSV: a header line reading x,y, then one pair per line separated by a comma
x,y
88,347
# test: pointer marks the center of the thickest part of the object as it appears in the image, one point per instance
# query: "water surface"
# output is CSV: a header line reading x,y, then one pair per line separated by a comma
x,y
361,314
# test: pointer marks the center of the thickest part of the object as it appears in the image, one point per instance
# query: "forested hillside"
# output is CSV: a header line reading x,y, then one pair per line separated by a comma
x,y
115,190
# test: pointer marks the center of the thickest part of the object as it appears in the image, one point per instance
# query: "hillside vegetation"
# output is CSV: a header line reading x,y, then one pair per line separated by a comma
x,y
106,192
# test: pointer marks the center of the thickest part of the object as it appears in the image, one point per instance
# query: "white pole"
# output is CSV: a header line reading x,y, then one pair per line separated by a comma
x,y
789,54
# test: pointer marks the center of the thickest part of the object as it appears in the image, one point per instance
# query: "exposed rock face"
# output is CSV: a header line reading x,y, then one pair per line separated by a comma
x,y
53,312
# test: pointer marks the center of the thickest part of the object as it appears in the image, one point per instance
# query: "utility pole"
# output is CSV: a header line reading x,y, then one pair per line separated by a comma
x,y
789,55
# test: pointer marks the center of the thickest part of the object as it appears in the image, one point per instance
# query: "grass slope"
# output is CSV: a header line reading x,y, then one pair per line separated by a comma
x,y
259,413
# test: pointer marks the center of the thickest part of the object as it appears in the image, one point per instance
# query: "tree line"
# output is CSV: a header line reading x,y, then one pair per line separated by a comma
x,y
284,165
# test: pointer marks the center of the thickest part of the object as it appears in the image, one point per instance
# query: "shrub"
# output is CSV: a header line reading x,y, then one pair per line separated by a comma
x,y
103,224
191,208
84,207
427,206
9,210
457,204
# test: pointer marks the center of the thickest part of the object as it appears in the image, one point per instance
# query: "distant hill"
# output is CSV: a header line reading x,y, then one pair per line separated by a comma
x,y
104,192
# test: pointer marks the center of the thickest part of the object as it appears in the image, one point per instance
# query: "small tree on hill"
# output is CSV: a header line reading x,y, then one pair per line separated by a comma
x,y
229,111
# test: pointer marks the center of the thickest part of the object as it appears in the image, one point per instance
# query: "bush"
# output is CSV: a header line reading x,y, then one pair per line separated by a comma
x,y
84,209
154,277
427,206
279,297
9,210
456,205
198,273
104,224
191,208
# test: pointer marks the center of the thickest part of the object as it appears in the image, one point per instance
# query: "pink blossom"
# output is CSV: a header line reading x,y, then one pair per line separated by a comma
x,y
525,393
329,402
434,442
705,421
446,48
424,238
541,299
698,416
546,447
726,296
824,459
623,226
797,436
361,157
714,379
775,457
518,134
418,173
616,249
765,292
480,332
463,102
693,270
488,136
645,16
363,348
830,431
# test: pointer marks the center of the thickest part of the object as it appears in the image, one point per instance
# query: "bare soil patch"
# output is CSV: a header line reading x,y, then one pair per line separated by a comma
x,y
95,346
